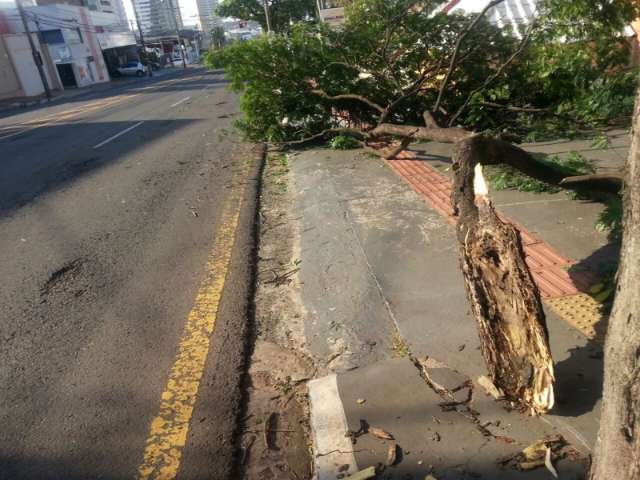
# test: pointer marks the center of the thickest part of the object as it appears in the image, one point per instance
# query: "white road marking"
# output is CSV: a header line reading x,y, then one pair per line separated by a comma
x,y
180,101
101,144
328,425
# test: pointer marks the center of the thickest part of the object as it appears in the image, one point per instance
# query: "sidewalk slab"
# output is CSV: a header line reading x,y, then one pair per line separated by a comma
x,y
406,257
348,323
393,396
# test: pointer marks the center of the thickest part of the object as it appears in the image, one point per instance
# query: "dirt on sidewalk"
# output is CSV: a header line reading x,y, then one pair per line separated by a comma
x,y
276,440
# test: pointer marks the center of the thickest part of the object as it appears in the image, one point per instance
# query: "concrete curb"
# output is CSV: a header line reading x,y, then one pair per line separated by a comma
x,y
333,451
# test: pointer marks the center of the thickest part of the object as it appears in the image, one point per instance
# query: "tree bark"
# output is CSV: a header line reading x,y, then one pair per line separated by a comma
x,y
504,299
617,452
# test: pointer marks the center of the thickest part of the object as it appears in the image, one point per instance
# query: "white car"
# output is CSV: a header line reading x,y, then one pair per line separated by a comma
x,y
134,67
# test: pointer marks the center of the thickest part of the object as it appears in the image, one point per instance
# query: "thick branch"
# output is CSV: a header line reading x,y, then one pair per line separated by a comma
x,y
348,96
503,296
610,182
445,135
456,51
429,121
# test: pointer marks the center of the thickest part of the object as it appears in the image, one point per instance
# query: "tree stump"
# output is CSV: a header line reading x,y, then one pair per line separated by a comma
x,y
504,299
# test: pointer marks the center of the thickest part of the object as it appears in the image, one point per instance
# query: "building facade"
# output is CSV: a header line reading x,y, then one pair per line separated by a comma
x,y
206,14
158,18
71,41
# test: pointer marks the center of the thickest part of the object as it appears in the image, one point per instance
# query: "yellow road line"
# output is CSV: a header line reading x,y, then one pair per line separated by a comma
x,y
168,431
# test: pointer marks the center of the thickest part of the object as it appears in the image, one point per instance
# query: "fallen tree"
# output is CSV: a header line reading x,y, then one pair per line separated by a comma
x,y
400,72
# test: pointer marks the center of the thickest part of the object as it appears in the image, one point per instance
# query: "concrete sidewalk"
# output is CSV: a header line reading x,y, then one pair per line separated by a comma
x,y
381,286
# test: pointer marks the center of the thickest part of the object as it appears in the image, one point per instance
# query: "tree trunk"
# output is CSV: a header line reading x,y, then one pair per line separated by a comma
x,y
617,453
504,299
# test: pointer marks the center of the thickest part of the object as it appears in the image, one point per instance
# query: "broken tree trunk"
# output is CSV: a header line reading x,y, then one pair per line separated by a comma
x,y
617,452
503,297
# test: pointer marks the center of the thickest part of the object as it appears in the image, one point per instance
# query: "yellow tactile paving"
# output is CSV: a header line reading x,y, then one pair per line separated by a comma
x,y
581,311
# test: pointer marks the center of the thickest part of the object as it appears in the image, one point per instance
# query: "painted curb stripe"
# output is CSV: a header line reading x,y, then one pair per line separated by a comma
x,y
332,448
168,430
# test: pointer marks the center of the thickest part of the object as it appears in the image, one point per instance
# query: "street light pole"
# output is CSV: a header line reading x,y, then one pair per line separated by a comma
x,y
37,58
266,15
144,47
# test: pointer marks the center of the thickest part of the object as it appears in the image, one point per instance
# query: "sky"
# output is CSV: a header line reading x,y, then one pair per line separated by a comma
x,y
188,9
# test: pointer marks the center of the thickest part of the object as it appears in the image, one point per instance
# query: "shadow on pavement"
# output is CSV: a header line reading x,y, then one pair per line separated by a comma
x,y
134,85
579,377
27,173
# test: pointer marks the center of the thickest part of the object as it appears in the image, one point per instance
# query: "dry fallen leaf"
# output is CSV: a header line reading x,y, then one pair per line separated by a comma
x,y
392,455
380,433
548,464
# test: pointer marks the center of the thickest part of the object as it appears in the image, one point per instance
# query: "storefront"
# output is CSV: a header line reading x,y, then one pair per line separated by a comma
x,y
118,48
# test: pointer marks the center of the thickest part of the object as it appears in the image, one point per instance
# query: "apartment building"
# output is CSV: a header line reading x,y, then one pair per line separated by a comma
x,y
206,14
158,18
72,43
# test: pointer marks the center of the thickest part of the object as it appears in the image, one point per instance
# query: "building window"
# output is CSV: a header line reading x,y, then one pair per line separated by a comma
x,y
52,37
91,5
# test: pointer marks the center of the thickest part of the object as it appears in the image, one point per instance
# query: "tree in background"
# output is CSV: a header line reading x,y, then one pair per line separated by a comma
x,y
282,13
218,38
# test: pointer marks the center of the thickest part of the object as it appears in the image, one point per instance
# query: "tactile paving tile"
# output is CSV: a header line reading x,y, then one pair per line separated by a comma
x,y
548,267
582,312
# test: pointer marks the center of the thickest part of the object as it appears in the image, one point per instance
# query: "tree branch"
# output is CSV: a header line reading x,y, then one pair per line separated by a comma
x,y
415,88
456,51
523,44
610,182
348,96
513,108
445,135
352,132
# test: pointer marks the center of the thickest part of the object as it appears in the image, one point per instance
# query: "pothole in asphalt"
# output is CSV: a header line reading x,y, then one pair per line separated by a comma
x,y
62,276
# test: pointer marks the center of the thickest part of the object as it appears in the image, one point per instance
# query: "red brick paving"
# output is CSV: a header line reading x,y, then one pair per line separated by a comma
x,y
548,267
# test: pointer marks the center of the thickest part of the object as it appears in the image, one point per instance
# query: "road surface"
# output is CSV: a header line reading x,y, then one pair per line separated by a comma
x,y
126,222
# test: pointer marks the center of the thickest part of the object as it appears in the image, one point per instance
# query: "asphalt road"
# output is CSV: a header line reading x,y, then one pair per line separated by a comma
x,y
126,222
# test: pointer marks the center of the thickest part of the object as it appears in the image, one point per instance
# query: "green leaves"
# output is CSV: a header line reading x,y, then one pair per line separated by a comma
x,y
386,46
282,13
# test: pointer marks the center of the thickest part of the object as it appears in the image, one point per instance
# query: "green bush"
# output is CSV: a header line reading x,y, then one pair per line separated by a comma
x,y
573,70
342,142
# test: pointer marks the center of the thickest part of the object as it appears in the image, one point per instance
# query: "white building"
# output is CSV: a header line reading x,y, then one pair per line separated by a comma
x,y
158,17
73,43
511,13
206,14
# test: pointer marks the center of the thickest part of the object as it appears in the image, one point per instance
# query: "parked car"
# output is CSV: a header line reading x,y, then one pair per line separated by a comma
x,y
134,67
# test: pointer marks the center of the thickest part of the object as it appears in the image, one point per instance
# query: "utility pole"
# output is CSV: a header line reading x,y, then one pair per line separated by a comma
x,y
266,15
37,58
144,47
180,45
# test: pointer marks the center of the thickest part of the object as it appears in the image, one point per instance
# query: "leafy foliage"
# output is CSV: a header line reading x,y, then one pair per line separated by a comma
x,y
270,73
281,12
610,219
342,142
396,53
